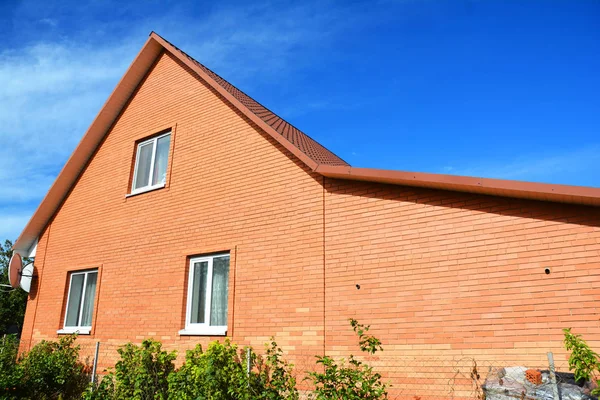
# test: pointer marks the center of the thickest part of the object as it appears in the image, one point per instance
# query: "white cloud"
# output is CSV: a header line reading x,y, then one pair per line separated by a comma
x,y
12,222
49,21
50,93
264,39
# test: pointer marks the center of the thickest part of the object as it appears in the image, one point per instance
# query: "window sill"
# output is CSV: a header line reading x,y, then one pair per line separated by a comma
x,y
212,331
70,331
145,190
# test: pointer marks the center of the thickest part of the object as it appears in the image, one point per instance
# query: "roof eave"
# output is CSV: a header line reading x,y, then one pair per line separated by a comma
x,y
495,187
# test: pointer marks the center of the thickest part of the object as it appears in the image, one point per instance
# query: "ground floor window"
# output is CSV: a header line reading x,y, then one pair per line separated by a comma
x,y
80,302
207,295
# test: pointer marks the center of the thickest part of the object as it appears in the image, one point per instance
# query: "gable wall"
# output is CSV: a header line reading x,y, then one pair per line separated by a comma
x,y
442,275
448,276
231,187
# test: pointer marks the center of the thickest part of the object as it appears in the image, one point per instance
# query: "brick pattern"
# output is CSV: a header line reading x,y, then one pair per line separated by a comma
x,y
441,274
230,187
446,274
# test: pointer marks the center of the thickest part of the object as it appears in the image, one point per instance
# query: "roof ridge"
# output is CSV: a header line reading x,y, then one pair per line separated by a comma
x,y
304,142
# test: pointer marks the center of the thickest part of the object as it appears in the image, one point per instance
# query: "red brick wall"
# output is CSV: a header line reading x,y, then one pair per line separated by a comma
x,y
442,275
449,276
230,187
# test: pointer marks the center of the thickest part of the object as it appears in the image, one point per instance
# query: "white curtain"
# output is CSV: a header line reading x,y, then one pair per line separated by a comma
x,y
88,302
199,292
159,175
218,305
143,165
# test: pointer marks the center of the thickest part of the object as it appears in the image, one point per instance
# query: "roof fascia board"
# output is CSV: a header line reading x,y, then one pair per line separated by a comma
x,y
495,187
239,105
88,144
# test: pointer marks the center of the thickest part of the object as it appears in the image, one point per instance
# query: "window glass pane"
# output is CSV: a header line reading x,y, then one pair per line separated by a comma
x,y
143,165
199,292
218,304
88,302
160,161
74,300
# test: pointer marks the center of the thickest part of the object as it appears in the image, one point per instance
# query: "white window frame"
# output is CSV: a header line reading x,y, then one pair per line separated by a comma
x,y
149,186
82,330
205,328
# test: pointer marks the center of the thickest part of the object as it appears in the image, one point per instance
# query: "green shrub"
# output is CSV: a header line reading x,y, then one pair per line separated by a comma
x,y
217,374
350,382
52,370
10,372
275,375
583,360
141,373
105,390
221,373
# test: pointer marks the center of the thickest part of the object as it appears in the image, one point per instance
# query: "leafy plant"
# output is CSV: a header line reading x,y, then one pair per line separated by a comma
x,y
275,375
142,372
583,360
354,381
105,390
12,304
221,373
10,372
217,374
52,370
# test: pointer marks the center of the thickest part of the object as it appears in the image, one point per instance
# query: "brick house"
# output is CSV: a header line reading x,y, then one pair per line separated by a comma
x,y
190,212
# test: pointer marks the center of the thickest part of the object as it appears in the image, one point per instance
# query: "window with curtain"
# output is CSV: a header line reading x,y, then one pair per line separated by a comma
x,y
208,287
80,301
152,156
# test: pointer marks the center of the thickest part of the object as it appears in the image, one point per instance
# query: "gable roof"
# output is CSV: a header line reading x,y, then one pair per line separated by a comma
x,y
307,145
293,139
313,154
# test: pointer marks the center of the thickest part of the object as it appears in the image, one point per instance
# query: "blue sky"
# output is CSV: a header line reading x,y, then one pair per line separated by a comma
x,y
504,89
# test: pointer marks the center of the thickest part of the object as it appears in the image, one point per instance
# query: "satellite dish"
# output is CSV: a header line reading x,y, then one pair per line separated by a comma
x,y
19,275
14,270
26,275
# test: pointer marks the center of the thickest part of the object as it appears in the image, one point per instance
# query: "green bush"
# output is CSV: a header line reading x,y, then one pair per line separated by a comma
x,y
217,374
10,372
356,381
221,373
105,390
275,375
141,373
583,360
52,370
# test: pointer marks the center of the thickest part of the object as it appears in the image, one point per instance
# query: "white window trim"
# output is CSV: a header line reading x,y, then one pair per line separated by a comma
x,y
82,330
71,330
148,187
205,328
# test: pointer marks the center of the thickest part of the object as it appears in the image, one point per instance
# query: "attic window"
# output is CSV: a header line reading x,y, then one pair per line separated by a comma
x,y
151,163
